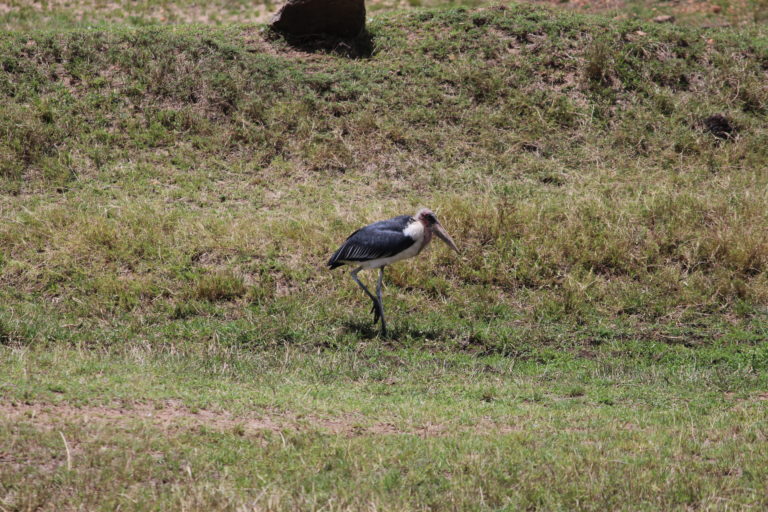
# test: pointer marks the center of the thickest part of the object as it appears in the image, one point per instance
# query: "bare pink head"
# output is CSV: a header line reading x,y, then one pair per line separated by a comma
x,y
429,219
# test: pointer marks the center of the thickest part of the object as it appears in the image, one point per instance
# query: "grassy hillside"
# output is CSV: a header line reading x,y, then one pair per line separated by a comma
x,y
169,335
170,176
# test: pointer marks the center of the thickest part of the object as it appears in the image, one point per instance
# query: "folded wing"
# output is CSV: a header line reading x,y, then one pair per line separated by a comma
x,y
378,240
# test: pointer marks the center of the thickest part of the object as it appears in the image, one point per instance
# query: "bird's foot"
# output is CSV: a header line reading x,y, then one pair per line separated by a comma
x,y
380,315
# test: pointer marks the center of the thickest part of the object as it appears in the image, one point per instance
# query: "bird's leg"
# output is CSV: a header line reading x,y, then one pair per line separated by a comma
x,y
376,304
378,309
375,311
381,301
379,285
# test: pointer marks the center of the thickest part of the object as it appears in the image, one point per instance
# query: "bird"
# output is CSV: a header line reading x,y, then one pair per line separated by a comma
x,y
385,242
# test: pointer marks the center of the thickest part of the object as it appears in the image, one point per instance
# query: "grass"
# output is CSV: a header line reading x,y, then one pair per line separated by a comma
x,y
20,15
382,428
719,13
170,193
568,155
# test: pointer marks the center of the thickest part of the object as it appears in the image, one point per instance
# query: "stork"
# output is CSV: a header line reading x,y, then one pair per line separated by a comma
x,y
385,242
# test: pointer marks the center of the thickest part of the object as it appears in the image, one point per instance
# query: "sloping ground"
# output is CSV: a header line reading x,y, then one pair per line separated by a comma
x,y
186,176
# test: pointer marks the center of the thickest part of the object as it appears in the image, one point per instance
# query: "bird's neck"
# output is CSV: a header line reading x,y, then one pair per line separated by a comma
x,y
420,232
427,237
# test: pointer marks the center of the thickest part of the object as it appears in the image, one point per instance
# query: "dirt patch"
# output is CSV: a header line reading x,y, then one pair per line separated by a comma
x,y
167,12
587,5
171,415
707,12
751,399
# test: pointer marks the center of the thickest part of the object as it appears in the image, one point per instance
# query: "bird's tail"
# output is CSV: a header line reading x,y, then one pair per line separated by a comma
x,y
333,261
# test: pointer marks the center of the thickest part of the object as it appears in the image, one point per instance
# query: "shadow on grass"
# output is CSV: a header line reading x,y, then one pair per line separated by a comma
x,y
395,332
360,47
364,328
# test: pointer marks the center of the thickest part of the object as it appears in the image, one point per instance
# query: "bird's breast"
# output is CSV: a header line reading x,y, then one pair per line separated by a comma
x,y
419,233
414,230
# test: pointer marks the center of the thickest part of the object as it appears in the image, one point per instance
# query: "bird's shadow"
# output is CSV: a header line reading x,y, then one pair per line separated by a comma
x,y
366,330
359,47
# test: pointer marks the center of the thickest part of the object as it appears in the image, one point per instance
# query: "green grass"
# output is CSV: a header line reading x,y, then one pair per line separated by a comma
x,y
171,192
715,14
21,15
389,429
566,154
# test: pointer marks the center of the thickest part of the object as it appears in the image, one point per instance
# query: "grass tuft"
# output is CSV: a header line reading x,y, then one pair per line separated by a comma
x,y
220,285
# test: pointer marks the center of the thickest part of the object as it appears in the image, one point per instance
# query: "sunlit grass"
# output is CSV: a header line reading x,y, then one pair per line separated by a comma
x,y
221,167
170,195
396,429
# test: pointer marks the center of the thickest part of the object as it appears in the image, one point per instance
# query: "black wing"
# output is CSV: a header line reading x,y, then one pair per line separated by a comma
x,y
378,240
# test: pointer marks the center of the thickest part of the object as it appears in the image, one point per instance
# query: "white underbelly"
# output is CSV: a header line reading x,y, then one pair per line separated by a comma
x,y
410,252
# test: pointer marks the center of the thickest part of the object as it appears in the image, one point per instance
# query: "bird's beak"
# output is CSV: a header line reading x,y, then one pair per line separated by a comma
x,y
445,237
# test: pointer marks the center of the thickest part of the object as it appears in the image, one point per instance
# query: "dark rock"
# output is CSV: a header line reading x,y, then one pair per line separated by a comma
x,y
343,18
720,126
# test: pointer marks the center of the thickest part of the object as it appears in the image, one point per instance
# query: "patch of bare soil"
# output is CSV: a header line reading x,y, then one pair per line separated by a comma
x,y
173,416
589,5
734,11
216,11
596,6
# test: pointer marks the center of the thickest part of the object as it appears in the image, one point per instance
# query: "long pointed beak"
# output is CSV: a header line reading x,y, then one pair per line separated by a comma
x,y
445,237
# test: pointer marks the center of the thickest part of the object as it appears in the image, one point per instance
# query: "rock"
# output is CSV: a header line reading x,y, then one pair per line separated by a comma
x,y
344,18
720,126
664,18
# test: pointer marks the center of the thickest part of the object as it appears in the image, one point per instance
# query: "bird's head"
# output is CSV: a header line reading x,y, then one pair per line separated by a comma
x,y
426,217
